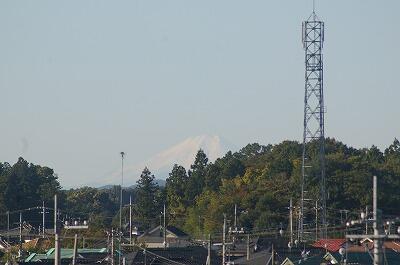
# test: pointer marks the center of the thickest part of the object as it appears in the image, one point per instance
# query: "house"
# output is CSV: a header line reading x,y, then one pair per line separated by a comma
x,y
354,258
258,258
37,243
83,255
194,255
331,245
154,238
287,261
27,231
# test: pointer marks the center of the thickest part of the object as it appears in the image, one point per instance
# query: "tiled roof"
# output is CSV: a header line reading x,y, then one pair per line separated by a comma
x,y
189,255
171,229
393,245
176,231
258,258
332,245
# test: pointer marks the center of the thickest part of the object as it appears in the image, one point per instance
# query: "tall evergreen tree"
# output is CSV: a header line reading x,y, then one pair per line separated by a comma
x,y
175,190
146,191
197,175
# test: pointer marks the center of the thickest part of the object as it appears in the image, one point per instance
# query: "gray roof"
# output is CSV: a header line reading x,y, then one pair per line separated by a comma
x,y
258,258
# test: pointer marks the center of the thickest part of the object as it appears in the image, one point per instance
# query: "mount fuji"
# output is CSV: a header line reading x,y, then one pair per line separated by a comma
x,y
182,153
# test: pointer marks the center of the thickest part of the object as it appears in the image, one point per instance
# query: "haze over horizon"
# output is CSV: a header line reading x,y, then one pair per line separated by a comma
x,y
83,80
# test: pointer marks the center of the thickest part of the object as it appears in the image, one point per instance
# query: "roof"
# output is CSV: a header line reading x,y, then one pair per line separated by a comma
x,y
41,243
170,229
194,255
393,245
356,258
287,261
258,258
366,246
66,253
332,245
178,232
4,244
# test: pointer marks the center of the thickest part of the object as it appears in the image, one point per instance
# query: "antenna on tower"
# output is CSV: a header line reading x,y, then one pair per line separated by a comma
x,y
314,128
313,6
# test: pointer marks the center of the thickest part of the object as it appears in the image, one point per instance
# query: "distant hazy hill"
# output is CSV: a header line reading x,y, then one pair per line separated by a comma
x,y
182,153
160,182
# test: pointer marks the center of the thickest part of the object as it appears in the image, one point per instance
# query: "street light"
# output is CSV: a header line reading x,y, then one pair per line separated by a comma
x,y
120,196
120,205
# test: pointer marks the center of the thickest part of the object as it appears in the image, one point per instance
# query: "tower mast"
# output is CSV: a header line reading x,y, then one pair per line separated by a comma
x,y
314,127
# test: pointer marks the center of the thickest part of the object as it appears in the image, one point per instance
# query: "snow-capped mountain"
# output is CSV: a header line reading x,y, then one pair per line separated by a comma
x,y
182,153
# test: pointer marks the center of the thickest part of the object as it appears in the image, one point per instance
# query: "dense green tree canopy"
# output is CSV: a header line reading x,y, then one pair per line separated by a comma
x,y
259,179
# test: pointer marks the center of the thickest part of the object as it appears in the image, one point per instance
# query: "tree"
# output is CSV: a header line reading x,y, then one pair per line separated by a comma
x,y
197,174
175,189
146,190
394,148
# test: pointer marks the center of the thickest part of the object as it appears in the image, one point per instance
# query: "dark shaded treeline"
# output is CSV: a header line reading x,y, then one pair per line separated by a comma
x,y
259,179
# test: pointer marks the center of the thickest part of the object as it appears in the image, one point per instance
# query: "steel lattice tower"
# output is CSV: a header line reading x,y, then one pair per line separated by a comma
x,y
313,39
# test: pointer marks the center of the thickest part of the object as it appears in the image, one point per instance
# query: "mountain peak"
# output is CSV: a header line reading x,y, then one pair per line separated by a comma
x,y
182,154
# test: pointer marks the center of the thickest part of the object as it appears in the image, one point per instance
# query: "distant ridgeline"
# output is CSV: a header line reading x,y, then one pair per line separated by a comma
x,y
259,179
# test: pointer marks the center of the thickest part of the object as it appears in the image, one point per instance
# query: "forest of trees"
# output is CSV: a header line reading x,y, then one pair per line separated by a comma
x,y
259,179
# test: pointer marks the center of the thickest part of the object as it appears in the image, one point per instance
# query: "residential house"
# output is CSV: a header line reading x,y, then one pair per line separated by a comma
x,y
154,238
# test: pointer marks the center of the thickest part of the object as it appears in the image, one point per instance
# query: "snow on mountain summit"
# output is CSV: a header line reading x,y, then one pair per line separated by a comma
x,y
182,153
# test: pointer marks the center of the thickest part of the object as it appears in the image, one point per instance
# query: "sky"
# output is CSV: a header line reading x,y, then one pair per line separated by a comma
x,y
81,81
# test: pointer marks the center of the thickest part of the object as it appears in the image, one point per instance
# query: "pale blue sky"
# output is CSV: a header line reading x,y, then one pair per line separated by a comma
x,y
82,80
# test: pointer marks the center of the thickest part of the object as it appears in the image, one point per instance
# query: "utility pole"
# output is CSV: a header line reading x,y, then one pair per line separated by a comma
x,y
366,223
130,219
377,237
291,221
20,234
273,255
316,220
235,221
248,247
165,231
377,240
223,240
120,195
209,250
112,246
43,223
56,239
75,249
8,226
120,207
